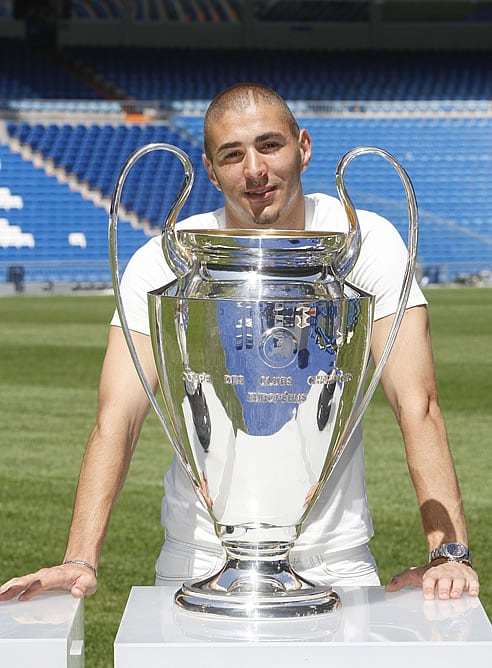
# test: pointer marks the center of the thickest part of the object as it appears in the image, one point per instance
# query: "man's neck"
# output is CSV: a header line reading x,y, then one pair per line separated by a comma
x,y
293,220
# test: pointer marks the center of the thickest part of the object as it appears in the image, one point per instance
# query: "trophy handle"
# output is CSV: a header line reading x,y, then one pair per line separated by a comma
x,y
179,252
348,255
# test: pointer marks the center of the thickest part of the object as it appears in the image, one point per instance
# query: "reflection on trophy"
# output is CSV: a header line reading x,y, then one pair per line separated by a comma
x,y
261,348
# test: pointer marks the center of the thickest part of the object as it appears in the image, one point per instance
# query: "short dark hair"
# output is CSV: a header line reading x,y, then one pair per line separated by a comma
x,y
239,97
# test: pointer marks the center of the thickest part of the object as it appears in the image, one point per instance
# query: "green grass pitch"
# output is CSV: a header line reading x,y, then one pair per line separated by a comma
x,y
51,351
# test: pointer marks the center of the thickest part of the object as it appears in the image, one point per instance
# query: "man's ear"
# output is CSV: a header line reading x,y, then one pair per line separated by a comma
x,y
210,171
306,148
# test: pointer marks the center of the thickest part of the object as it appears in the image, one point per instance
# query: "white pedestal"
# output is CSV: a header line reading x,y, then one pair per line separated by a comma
x,y
372,628
47,632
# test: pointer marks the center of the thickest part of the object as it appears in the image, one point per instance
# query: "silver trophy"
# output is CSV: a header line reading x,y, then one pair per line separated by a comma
x,y
261,348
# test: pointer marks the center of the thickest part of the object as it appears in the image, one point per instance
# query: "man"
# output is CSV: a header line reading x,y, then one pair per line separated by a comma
x,y
255,154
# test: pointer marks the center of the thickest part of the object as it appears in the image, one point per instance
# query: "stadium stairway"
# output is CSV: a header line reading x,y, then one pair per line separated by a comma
x,y
54,211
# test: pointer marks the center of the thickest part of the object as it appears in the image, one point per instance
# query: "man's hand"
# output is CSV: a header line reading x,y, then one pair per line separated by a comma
x,y
76,579
447,579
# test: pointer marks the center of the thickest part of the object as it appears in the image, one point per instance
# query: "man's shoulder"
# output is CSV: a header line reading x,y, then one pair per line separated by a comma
x,y
328,211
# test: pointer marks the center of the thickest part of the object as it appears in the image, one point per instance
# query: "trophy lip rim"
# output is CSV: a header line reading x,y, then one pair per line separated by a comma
x,y
270,233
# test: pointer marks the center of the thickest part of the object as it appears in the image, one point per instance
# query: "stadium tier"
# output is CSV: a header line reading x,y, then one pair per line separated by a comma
x,y
155,10
28,74
163,76
450,168
273,10
57,172
192,74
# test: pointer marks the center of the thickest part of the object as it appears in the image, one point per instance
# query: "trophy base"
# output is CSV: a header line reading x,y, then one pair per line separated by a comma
x,y
257,590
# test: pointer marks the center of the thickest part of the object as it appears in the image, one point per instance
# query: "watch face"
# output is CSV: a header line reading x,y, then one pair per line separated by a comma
x,y
455,549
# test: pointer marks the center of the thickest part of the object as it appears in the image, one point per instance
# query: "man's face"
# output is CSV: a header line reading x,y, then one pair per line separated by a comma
x,y
257,163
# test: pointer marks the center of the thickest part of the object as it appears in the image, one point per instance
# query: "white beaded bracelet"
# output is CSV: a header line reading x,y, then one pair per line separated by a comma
x,y
81,562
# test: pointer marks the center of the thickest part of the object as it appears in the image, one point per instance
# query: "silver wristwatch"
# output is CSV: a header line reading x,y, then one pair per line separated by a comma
x,y
452,552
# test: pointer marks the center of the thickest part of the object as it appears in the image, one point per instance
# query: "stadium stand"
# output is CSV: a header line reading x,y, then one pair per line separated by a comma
x,y
157,10
274,10
164,75
72,116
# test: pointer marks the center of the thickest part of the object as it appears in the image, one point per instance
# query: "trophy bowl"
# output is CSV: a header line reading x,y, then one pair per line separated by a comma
x,y
261,348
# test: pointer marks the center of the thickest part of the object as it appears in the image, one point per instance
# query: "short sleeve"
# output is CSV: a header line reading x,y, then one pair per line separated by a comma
x,y
381,265
146,271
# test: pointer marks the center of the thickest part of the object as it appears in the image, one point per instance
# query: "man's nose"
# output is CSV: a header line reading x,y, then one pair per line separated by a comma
x,y
254,165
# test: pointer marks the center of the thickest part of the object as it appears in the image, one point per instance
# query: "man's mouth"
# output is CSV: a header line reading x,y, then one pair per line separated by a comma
x,y
260,194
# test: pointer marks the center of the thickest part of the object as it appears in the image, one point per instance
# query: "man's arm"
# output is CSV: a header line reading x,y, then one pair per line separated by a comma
x,y
122,408
409,384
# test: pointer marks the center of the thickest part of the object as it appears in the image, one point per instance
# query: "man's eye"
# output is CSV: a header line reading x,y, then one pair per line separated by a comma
x,y
233,155
271,146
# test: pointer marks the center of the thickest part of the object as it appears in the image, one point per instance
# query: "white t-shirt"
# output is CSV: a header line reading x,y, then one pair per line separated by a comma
x,y
340,519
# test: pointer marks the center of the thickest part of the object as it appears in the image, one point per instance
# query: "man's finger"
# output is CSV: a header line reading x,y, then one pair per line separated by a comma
x,y
473,585
409,578
34,588
76,579
457,587
14,587
443,587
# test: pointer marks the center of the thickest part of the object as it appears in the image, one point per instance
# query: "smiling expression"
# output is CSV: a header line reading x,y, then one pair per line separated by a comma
x,y
257,162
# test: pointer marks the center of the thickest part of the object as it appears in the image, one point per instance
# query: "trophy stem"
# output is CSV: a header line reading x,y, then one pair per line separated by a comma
x,y
257,582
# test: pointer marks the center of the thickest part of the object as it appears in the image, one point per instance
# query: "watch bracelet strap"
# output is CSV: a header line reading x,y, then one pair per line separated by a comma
x,y
436,554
